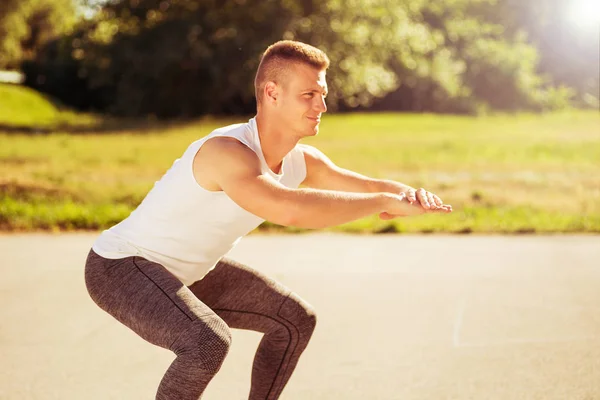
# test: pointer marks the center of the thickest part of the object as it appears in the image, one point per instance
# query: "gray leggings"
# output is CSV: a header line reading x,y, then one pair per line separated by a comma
x,y
194,321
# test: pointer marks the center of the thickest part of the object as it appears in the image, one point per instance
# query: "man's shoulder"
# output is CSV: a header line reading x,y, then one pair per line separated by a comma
x,y
227,152
309,151
233,129
221,158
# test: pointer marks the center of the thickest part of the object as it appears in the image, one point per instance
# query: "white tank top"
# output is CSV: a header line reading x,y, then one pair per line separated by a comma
x,y
185,227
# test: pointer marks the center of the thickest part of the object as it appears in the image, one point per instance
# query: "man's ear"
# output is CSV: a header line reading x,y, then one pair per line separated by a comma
x,y
271,92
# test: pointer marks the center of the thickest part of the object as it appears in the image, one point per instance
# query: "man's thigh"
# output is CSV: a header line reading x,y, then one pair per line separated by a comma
x,y
243,297
145,297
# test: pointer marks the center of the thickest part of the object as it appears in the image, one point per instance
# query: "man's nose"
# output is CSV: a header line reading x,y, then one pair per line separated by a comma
x,y
321,105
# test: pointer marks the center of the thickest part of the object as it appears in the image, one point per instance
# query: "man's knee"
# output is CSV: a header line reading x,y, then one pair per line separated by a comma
x,y
300,313
208,342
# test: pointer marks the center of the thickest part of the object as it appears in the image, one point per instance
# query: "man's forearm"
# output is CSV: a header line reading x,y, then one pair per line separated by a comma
x,y
389,186
349,181
317,208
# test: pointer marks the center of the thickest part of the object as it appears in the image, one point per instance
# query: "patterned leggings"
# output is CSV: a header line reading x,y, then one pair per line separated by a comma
x,y
194,321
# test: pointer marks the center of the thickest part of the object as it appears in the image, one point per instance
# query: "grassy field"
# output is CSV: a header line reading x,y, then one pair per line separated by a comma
x,y
502,174
25,109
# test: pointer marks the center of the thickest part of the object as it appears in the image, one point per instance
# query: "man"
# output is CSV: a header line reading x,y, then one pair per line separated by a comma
x,y
162,271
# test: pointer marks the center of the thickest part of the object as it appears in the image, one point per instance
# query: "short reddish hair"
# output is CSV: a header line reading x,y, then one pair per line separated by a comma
x,y
278,58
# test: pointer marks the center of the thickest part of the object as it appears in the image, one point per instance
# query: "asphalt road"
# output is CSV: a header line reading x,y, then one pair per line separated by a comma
x,y
399,317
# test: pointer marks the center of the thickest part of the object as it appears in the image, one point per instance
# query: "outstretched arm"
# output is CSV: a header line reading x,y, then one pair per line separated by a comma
x,y
322,173
224,164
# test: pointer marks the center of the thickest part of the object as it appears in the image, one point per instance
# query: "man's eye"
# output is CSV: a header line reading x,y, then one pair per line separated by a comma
x,y
309,94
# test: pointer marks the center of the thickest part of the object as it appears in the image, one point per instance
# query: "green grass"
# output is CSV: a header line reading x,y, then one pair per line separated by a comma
x,y
503,174
23,107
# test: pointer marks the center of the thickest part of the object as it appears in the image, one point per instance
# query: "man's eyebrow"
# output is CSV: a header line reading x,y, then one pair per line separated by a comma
x,y
325,89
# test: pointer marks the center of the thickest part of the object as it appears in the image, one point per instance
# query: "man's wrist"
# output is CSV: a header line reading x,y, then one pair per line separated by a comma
x,y
389,186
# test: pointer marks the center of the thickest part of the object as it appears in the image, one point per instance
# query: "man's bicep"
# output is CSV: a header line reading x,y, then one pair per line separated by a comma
x,y
322,173
240,177
319,168
256,193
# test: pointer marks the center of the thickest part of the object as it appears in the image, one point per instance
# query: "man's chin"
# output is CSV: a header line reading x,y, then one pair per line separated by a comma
x,y
309,132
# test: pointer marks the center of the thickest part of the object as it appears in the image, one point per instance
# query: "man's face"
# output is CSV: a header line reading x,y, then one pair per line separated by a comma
x,y
303,100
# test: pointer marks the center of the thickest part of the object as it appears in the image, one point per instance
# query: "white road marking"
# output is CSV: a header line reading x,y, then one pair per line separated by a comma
x,y
458,322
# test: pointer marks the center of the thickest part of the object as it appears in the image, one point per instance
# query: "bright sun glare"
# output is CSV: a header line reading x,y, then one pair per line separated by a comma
x,y
585,13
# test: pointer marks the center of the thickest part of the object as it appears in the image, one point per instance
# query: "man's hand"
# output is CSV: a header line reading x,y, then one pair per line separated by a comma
x,y
428,200
419,202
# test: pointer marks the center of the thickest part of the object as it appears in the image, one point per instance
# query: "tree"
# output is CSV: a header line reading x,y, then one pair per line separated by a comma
x,y
26,25
183,58
427,55
568,54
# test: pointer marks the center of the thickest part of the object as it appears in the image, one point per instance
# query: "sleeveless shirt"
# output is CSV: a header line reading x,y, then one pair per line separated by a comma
x,y
185,227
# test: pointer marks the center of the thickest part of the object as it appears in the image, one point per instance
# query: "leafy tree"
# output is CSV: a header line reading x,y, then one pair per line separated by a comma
x,y
568,55
174,58
26,25
435,55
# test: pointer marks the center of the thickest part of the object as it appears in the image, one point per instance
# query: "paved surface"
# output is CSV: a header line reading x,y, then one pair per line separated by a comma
x,y
399,317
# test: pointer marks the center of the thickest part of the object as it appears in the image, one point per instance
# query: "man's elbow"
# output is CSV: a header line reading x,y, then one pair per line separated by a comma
x,y
287,213
304,224
286,219
300,218
281,210
292,213
292,209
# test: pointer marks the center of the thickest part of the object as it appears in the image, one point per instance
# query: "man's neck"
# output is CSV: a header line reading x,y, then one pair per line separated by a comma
x,y
274,141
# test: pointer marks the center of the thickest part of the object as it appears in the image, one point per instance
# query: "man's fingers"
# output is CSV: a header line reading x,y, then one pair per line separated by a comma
x,y
446,208
431,200
422,196
411,195
386,216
